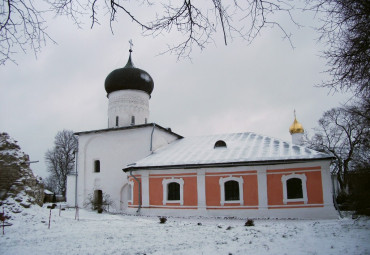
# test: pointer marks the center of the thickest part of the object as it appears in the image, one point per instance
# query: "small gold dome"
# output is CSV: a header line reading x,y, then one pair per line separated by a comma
x,y
296,127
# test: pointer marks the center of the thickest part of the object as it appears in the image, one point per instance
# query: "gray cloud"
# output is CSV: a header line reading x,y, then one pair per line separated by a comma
x,y
233,88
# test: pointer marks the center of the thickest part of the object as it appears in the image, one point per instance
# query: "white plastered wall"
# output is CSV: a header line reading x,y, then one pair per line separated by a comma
x,y
127,103
115,149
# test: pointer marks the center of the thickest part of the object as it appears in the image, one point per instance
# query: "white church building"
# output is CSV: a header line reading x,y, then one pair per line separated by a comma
x,y
150,170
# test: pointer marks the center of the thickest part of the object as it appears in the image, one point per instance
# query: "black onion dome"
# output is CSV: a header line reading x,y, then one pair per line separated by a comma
x,y
129,77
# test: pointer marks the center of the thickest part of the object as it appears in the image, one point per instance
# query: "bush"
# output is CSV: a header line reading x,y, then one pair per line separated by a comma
x,y
95,204
249,223
360,194
162,220
342,197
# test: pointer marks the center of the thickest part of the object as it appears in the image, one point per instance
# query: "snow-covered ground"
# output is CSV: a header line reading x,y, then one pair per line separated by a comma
x,y
122,234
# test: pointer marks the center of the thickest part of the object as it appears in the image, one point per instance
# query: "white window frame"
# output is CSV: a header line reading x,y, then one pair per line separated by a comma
x,y
284,180
222,182
131,187
165,183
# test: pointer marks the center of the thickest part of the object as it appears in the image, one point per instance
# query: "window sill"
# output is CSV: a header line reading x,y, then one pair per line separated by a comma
x,y
295,200
173,202
232,202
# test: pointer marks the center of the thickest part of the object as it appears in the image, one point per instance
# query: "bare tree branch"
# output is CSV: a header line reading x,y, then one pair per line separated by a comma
x,y
345,29
21,27
195,24
343,133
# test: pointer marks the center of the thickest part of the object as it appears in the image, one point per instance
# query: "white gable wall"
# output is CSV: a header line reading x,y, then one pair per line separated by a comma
x,y
115,149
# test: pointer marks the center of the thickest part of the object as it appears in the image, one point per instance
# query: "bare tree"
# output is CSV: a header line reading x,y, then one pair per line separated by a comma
x,y
51,183
344,134
21,27
195,23
60,159
346,30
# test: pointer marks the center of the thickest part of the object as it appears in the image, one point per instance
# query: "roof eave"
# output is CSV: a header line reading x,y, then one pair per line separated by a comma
x,y
225,164
127,128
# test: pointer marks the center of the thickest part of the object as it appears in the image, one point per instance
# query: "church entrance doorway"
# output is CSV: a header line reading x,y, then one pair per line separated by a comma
x,y
98,199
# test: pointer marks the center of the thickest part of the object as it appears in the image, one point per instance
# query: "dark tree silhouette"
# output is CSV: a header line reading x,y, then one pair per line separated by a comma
x,y
344,133
346,30
60,159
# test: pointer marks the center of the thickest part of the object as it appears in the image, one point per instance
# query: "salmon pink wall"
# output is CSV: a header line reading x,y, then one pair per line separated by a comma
x,y
250,188
190,189
213,191
155,191
274,189
275,185
314,188
136,190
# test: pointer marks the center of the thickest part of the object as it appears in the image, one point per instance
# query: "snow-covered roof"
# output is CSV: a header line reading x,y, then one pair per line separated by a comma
x,y
115,129
48,192
242,148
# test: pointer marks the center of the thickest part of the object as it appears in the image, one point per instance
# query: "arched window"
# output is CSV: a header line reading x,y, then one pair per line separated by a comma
x,y
97,166
231,190
173,191
294,188
220,144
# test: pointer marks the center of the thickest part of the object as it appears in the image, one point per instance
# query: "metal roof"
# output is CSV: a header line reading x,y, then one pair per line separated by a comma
x,y
115,129
241,148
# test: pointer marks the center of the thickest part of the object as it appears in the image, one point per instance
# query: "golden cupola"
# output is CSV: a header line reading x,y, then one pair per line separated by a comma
x,y
296,127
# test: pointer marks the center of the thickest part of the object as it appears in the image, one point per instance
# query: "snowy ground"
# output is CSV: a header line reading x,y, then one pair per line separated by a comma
x,y
121,234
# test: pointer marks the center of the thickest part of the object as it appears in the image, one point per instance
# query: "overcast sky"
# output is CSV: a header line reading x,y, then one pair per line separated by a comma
x,y
224,89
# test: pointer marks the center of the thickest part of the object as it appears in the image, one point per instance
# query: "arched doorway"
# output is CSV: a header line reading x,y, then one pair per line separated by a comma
x,y
124,197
